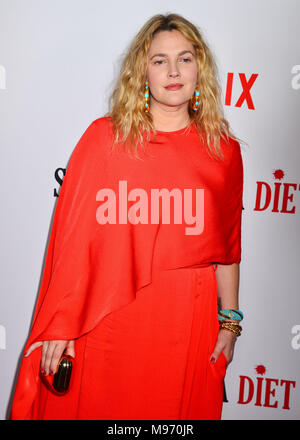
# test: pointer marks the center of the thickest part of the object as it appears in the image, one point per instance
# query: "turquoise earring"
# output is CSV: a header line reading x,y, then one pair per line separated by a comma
x,y
146,96
196,99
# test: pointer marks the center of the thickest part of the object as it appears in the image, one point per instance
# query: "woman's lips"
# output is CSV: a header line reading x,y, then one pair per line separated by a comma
x,y
174,87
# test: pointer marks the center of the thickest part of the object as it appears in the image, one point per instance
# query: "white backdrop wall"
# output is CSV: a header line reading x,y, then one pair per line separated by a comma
x,y
58,63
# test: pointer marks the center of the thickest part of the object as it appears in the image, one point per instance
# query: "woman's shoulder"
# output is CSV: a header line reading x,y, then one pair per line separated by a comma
x,y
94,142
100,126
231,149
102,123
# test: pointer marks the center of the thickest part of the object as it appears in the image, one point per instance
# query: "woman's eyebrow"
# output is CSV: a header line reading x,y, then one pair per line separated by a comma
x,y
165,55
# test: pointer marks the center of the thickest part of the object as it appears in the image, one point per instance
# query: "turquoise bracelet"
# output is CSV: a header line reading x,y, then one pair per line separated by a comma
x,y
230,314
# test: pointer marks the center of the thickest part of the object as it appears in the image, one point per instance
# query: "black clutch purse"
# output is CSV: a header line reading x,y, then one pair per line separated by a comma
x,y
59,384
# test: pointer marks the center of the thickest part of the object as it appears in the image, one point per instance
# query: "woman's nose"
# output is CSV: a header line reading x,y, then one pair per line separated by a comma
x,y
173,70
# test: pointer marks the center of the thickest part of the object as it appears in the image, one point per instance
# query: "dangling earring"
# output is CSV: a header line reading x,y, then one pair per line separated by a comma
x,y
146,95
196,99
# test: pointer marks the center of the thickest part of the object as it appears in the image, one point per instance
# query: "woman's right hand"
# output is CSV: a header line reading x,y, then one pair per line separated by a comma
x,y
51,353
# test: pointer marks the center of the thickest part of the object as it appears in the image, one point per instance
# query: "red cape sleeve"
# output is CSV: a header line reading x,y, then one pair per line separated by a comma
x,y
90,269
233,205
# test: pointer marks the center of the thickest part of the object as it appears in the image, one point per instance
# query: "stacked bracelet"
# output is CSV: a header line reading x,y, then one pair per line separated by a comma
x,y
224,315
231,326
229,320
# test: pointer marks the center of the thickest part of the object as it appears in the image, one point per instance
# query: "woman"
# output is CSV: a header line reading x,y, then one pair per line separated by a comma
x,y
131,294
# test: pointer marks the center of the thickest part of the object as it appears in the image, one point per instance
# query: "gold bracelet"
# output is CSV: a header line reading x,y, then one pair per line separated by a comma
x,y
231,330
237,332
236,323
235,328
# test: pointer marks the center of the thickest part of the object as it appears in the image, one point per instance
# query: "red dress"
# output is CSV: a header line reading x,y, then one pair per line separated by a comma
x,y
139,299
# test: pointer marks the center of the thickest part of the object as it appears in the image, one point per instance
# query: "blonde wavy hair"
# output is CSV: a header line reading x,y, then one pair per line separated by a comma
x,y
127,112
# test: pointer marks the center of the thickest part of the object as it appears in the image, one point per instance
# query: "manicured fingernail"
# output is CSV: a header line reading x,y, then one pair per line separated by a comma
x,y
213,360
52,373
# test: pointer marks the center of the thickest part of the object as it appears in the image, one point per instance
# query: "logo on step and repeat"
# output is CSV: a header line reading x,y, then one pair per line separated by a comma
x,y
276,196
59,175
262,390
243,87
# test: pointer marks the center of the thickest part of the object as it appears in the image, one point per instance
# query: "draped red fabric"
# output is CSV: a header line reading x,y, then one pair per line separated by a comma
x,y
93,269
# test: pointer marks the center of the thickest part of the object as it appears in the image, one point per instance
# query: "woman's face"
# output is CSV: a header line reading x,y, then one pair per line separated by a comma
x,y
171,60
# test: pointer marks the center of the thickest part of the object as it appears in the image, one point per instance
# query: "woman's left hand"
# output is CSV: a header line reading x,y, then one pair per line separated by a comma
x,y
225,342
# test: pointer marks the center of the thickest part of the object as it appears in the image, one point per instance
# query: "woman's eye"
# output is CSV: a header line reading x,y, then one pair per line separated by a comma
x,y
186,60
